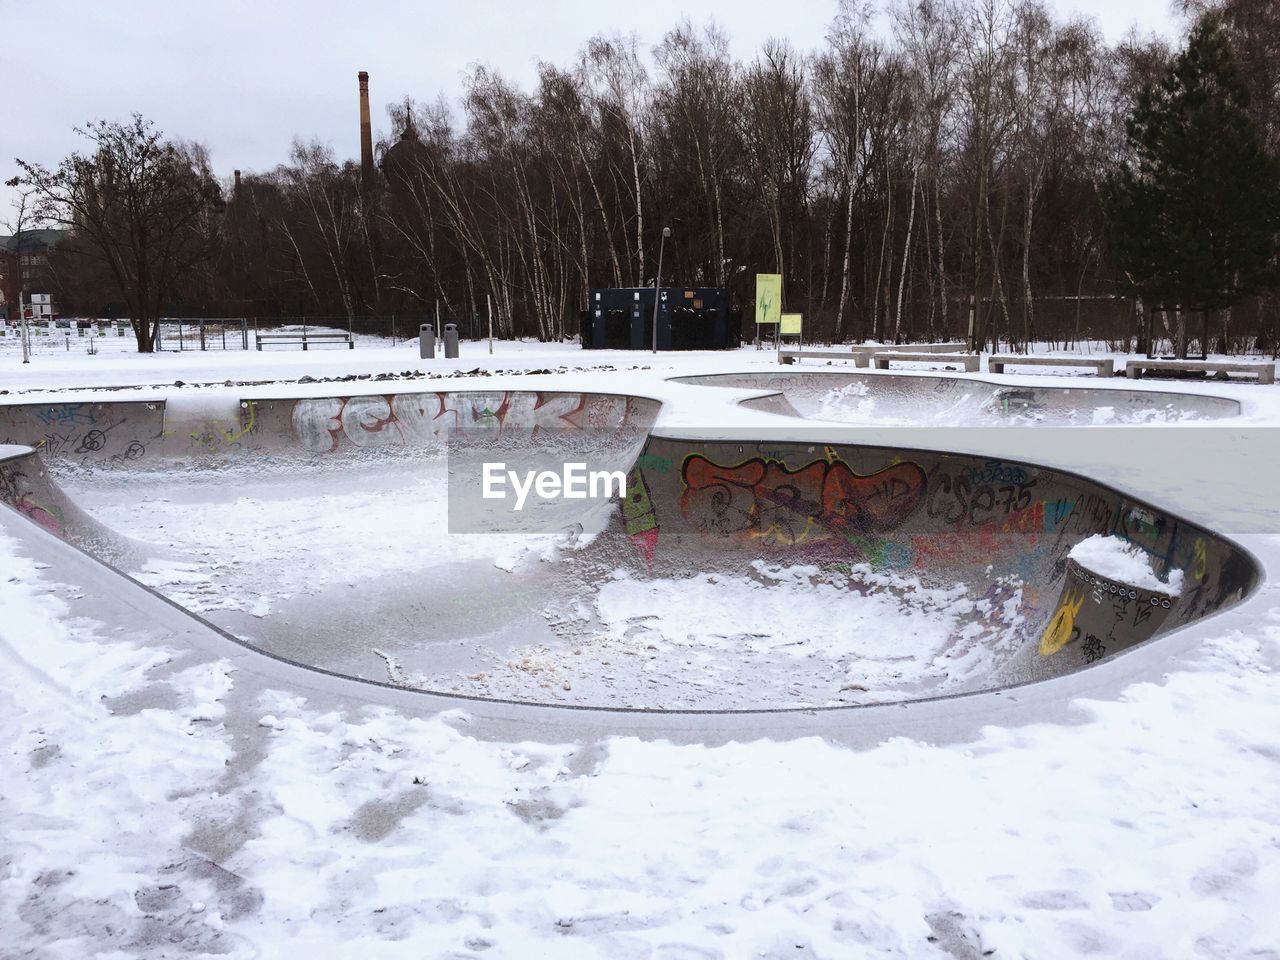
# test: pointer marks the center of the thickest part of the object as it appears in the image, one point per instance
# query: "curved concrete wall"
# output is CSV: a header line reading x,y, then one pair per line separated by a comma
x,y
990,524
993,525
27,487
132,433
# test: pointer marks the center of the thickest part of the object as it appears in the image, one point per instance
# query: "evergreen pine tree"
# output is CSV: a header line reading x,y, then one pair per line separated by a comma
x,y
1195,220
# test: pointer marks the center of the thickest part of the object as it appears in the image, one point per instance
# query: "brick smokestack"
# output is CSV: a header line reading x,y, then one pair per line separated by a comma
x,y
366,131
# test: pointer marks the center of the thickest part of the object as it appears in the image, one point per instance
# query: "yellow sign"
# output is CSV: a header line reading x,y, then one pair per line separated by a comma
x,y
791,324
768,297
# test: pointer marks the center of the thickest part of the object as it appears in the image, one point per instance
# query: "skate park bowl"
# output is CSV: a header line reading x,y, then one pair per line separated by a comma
x,y
882,398
737,576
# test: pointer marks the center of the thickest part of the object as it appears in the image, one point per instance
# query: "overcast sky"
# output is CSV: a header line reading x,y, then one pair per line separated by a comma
x,y
246,78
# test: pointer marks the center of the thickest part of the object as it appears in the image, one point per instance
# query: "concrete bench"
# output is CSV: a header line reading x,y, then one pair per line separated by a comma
x,y
305,338
1265,372
970,360
861,356
998,361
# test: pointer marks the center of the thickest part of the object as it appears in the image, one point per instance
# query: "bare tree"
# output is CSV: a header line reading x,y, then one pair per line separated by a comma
x,y
897,178
140,205
928,33
842,79
697,134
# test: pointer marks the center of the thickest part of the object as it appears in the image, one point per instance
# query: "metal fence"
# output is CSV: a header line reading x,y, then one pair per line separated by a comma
x,y
180,334
68,336
395,328
204,333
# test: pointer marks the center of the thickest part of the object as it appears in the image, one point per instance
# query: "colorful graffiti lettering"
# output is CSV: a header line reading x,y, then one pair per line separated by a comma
x,y
68,414
12,492
322,425
765,500
49,518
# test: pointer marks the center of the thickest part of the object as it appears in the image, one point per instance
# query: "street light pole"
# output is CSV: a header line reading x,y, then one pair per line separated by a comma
x,y
23,334
657,286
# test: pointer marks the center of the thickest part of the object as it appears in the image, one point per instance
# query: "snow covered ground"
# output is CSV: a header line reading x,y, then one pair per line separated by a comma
x,y
160,802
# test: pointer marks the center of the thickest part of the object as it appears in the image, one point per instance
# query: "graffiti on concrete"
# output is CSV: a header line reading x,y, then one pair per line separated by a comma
x,y
638,516
760,499
136,450
1102,614
981,495
94,440
89,432
1062,628
14,491
1092,648
215,435
323,424
68,415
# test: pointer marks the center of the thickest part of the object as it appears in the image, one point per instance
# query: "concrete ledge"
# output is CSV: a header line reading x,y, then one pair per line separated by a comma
x,y
970,360
1105,367
1266,372
861,356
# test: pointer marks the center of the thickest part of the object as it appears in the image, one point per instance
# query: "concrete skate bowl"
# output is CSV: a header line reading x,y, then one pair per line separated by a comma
x,y
896,399
733,577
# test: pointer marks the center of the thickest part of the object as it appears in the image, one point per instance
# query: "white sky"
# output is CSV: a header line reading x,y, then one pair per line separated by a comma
x,y
245,77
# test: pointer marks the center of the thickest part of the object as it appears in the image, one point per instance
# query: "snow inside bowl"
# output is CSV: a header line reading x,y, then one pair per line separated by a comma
x,y
733,575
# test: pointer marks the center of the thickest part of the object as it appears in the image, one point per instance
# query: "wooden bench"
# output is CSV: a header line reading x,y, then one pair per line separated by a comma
x,y
1105,367
970,360
1266,372
305,338
861,356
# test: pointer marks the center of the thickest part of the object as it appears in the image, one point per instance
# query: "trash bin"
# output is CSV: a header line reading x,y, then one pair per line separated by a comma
x,y
450,341
427,342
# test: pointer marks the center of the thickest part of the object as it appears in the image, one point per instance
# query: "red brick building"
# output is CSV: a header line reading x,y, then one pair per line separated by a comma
x,y
24,267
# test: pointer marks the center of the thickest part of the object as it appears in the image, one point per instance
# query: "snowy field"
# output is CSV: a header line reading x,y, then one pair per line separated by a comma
x,y
160,802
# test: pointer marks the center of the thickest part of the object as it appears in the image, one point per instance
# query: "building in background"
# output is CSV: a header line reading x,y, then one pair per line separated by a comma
x,y
689,318
25,269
